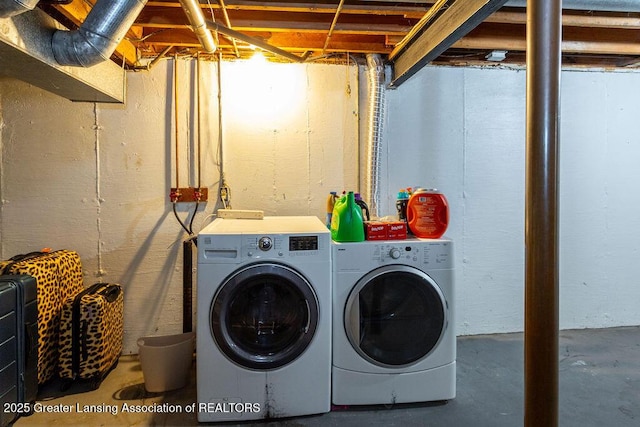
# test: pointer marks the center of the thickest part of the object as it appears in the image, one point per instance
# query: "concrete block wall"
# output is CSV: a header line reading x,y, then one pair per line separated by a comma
x,y
96,177
462,130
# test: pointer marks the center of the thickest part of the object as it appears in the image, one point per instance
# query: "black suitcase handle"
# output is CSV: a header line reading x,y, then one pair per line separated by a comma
x,y
22,257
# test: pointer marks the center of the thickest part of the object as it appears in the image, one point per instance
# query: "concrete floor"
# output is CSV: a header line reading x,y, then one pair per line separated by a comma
x,y
599,386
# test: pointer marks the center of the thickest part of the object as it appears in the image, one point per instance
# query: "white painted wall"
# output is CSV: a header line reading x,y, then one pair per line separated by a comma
x,y
96,178
462,130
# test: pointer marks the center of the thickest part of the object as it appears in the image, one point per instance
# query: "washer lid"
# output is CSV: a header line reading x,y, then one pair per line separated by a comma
x,y
395,316
264,316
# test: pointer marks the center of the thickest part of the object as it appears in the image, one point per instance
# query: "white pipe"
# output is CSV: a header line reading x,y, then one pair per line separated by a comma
x,y
198,25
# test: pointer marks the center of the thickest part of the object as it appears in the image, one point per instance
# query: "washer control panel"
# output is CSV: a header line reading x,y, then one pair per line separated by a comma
x,y
436,253
283,246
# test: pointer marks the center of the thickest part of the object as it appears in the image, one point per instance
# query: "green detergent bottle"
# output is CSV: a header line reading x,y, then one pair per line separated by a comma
x,y
346,222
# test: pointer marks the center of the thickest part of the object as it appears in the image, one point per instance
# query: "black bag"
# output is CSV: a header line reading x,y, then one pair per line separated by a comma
x,y
18,346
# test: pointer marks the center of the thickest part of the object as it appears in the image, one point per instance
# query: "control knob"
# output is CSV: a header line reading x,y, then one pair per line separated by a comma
x,y
265,243
395,253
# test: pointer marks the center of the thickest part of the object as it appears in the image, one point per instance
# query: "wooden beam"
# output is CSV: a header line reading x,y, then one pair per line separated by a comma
x,y
589,41
571,19
292,42
454,23
414,12
422,23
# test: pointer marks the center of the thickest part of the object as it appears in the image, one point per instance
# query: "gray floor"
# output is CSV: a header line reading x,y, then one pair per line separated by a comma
x,y
599,386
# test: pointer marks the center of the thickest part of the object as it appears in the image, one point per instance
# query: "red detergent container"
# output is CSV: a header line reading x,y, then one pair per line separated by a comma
x,y
427,213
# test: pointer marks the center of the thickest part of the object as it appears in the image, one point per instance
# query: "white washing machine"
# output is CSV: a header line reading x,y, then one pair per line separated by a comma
x,y
393,322
263,319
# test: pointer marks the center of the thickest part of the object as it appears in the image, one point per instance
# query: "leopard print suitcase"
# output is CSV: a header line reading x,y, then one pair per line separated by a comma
x,y
59,276
91,330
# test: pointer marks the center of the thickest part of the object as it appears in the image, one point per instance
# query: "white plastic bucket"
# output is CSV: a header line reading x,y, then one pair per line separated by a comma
x,y
166,361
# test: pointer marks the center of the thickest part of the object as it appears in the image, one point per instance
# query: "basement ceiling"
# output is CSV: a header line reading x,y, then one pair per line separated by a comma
x,y
326,30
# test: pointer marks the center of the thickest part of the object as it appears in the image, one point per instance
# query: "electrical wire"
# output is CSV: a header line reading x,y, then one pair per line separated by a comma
x,y
175,213
193,216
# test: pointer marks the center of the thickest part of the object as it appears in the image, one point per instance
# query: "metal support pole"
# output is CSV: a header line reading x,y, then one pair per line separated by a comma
x,y
544,30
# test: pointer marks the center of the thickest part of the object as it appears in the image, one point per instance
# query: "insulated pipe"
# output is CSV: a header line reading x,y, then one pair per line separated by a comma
x,y
544,29
16,7
375,73
198,25
100,33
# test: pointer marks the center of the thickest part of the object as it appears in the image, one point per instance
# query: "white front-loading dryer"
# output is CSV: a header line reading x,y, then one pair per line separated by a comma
x,y
263,318
393,328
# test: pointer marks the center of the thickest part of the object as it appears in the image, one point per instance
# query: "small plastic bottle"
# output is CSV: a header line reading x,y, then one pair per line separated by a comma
x,y
363,205
401,204
331,200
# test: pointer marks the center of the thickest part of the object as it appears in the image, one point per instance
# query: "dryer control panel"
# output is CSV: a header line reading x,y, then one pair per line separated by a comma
x,y
421,253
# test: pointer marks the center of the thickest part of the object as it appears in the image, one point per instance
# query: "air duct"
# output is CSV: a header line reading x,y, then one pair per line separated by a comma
x,y
375,84
16,7
99,35
198,25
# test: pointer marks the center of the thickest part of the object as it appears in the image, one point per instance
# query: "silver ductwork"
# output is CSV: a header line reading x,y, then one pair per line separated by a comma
x,y
375,84
198,25
16,7
100,33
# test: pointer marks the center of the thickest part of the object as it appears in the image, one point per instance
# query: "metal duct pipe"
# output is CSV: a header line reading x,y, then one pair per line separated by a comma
x,y
599,5
99,35
375,83
16,7
198,25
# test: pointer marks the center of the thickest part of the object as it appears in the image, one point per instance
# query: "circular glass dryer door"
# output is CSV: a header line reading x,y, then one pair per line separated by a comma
x,y
264,316
395,316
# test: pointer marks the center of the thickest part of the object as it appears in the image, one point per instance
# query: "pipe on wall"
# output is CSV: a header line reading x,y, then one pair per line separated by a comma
x,y
100,33
375,84
10,8
198,24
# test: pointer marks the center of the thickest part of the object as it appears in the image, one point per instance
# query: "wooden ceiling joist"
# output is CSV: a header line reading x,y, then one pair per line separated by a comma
x,y
411,33
455,22
414,12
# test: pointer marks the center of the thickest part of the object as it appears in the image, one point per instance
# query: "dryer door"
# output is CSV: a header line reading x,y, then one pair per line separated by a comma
x,y
264,316
395,316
